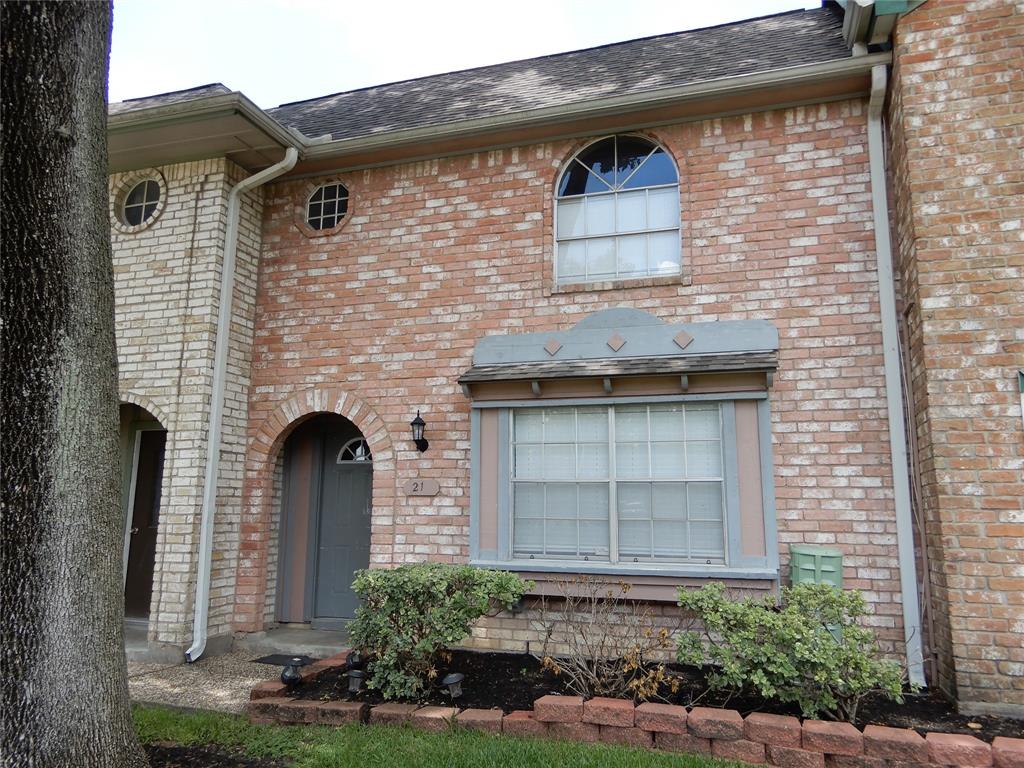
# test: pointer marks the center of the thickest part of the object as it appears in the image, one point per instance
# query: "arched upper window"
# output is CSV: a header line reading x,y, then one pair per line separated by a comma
x,y
617,213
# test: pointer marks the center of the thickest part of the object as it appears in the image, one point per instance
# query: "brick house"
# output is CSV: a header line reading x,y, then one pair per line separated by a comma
x,y
645,299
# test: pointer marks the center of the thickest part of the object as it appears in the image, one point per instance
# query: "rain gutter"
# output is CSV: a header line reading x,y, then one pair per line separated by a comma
x,y
592,108
893,384
220,366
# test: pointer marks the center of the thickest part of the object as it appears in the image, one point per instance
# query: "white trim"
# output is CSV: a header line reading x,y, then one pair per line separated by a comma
x,y
130,509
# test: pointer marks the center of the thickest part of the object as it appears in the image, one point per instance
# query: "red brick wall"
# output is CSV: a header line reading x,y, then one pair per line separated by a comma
x,y
956,123
776,214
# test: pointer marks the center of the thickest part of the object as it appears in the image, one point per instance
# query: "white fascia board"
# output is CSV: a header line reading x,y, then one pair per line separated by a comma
x,y
205,108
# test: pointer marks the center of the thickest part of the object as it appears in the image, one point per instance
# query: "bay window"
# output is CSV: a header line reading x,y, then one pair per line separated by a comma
x,y
626,446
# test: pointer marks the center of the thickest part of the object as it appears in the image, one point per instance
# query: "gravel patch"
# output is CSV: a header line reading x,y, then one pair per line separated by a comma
x,y
220,683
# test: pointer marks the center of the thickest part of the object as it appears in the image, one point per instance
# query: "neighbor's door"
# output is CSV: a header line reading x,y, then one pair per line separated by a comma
x,y
145,517
343,529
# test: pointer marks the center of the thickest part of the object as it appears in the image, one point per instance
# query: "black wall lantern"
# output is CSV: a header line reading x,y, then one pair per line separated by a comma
x,y
417,425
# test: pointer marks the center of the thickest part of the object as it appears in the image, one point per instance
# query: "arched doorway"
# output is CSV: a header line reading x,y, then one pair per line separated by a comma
x,y
143,441
325,522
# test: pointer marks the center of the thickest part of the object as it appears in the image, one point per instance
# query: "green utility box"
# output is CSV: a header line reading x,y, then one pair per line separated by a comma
x,y
818,565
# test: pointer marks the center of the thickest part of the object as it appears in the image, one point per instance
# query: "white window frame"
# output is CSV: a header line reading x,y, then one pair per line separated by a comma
x,y
613,480
615,234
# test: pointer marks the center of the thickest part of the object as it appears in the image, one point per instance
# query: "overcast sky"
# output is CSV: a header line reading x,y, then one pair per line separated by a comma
x,y
277,51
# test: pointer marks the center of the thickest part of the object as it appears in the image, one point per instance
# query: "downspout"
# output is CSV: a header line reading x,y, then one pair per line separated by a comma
x,y
220,366
893,384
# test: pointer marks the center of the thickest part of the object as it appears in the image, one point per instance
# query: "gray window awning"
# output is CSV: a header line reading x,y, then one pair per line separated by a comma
x,y
626,342
633,366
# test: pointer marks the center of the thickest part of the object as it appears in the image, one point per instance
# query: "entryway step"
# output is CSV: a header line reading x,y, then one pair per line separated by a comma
x,y
295,641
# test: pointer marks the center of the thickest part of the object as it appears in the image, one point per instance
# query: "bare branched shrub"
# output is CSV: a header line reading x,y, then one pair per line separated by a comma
x,y
602,643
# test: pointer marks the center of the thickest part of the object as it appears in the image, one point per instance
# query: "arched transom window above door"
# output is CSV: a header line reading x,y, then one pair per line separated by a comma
x,y
356,449
617,213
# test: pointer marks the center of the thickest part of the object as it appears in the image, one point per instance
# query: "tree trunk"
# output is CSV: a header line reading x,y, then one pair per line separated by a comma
x,y
65,688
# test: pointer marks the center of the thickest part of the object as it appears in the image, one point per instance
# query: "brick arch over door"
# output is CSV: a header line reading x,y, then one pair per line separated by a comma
x,y
156,411
257,530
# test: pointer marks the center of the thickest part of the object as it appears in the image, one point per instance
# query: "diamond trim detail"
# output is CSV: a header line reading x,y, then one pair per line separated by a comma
x,y
552,347
616,342
683,339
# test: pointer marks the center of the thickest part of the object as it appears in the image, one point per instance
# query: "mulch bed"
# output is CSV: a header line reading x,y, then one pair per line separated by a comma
x,y
511,681
200,756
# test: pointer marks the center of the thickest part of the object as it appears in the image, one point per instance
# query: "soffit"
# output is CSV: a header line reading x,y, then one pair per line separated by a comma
x,y
159,131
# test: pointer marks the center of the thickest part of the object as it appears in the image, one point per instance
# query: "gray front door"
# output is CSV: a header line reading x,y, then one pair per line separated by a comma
x,y
342,529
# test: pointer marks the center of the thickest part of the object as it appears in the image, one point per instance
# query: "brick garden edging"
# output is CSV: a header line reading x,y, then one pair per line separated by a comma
x,y
758,739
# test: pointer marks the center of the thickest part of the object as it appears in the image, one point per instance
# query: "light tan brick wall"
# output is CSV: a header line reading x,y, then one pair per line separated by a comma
x,y
167,283
776,215
956,122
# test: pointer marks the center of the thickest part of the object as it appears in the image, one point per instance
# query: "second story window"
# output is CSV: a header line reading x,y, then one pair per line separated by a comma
x,y
141,203
617,213
327,206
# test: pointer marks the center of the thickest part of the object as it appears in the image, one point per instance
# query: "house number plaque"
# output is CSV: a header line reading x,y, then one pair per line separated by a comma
x,y
419,487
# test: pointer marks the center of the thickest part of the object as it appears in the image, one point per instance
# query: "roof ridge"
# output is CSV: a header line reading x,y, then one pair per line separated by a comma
x,y
546,56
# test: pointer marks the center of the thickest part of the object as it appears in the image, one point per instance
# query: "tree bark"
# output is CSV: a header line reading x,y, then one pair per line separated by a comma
x,y
65,689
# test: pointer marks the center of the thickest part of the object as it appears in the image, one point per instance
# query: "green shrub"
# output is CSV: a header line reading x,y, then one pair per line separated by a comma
x,y
810,651
411,614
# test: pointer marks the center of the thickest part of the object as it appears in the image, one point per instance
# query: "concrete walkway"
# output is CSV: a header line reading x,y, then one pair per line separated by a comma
x,y
219,683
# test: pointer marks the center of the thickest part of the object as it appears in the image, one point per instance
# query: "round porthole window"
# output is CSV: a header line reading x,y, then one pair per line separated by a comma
x,y
327,206
141,203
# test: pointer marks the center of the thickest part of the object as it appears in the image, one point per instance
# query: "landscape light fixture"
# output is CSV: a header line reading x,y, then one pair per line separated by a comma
x,y
454,683
355,680
417,425
290,675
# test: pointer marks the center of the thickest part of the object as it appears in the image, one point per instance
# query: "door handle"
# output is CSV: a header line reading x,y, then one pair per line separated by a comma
x,y
134,531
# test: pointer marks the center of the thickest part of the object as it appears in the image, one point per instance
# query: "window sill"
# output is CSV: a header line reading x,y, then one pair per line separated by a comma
x,y
680,571
683,278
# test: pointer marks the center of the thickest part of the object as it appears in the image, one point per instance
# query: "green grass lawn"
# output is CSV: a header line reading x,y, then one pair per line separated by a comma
x,y
322,747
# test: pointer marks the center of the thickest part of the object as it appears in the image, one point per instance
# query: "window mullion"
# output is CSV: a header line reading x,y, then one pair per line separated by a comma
x,y
544,524
615,160
596,176
613,501
615,233
686,487
577,452
586,234
650,483
639,166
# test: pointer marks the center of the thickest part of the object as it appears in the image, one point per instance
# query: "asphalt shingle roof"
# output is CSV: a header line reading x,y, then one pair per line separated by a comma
x,y
163,99
633,67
